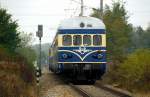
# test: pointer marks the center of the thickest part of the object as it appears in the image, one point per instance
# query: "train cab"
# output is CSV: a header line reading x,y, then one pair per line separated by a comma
x,y
79,48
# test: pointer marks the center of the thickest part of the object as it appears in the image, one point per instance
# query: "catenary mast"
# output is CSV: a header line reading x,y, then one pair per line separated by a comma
x,y
81,14
101,9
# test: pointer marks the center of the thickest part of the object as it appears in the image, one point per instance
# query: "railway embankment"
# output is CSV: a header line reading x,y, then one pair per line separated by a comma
x,y
16,82
16,76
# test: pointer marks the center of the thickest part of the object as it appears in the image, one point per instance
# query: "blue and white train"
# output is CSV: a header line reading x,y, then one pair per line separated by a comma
x,y
79,49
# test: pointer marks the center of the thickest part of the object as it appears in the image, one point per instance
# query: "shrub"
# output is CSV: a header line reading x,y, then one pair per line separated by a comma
x,y
16,76
11,85
135,71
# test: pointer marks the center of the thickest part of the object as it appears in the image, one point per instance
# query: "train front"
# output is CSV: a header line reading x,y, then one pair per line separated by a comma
x,y
82,48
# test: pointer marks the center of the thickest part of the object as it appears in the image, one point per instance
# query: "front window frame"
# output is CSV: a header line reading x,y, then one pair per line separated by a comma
x,y
87,41
77,41
68,43
95,40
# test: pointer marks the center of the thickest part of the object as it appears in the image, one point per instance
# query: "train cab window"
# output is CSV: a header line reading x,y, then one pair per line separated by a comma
x,y
67,40
97,40
86,40
77,40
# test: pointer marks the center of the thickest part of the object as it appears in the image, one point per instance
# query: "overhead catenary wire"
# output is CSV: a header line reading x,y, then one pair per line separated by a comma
x,y
67,11
76,1
74,12
85,6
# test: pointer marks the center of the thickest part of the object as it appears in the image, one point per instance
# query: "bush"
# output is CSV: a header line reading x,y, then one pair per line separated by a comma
x,y
16,76
9,87
12,85
135,71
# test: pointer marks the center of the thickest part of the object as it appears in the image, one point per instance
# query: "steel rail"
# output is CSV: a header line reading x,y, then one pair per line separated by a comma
x,y
120,93
80,91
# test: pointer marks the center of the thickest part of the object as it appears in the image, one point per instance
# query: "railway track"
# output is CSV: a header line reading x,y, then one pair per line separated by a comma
x,y
99,90
80,91
59,86
119,92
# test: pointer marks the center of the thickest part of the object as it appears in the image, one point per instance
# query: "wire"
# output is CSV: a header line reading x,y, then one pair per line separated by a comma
x,y
74,12
76,1
84,5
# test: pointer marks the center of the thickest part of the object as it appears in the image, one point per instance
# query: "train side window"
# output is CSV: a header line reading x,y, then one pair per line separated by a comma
x,y
77,40
67,40
86,40
97,40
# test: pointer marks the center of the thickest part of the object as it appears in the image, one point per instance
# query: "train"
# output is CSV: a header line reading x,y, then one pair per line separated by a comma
x,y
78,50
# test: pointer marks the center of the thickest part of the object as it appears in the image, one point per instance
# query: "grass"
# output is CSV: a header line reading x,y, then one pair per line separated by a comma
x,y
12,84
137,92
142,94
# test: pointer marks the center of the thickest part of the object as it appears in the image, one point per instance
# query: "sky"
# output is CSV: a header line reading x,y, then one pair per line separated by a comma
x,y
49,13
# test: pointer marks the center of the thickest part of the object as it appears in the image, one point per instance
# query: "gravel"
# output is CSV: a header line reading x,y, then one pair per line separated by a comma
x,y
96,92
52,86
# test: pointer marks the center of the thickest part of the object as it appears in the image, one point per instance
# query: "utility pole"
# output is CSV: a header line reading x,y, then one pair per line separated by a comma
x,y
81,14
40,56
39,34
101,9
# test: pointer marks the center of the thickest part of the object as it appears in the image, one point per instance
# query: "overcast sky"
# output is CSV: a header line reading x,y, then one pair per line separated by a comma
x,y
30,13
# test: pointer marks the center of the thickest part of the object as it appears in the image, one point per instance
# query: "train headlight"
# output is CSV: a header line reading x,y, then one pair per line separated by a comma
x,y
99,56
65,56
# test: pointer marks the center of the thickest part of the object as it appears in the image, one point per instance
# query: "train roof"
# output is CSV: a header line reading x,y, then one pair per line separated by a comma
x,y
82,23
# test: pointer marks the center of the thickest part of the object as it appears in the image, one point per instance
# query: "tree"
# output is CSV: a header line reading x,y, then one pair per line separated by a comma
x,y
140,38
25,49
26,39
118,31
16,69
137,38
9,36
146,38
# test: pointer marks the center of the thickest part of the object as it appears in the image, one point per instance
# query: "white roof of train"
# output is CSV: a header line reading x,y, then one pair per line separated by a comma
x,y
89,23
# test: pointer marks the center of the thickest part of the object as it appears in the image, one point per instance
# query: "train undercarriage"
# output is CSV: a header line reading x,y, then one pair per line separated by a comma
x,y
88,73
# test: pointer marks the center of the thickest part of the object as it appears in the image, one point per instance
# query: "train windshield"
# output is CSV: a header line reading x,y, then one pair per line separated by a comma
x,y
77,40
86,40
67,40
97,40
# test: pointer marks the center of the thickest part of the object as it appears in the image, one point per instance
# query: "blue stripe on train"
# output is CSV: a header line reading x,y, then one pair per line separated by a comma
x,y
82,31
72,48
76,57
